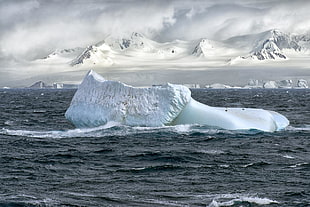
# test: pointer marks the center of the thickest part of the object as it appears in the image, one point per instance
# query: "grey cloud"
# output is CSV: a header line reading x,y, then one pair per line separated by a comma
x,y
33,28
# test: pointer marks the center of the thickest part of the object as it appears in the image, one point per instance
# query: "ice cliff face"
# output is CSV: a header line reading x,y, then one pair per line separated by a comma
x,y
98,101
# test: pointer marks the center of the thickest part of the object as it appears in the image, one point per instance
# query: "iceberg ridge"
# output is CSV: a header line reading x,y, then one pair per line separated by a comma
x,y
98,101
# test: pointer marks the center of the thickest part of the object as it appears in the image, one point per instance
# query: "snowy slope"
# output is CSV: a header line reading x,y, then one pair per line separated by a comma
x,y
126,50
61,55
137,49
135,42
213,49
272,46
100,53
138,45
205,48
269,45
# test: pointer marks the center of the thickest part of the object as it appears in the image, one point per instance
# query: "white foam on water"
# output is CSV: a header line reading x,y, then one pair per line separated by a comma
x,y
288,156
248,165
183,128
163,202
224,166
117,129
84,132
9,123
232,199
211,152
298,165
29,199
302,128
80,194
188,129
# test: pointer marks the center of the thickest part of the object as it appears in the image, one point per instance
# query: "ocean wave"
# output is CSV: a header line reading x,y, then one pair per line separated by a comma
x,y
240,200
85,132
26,200
117,129
300,128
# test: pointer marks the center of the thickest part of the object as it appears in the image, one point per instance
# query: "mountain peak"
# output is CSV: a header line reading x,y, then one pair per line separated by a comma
x,y
136,35
133,41
99,53
269,45
272,44
203,47
276,32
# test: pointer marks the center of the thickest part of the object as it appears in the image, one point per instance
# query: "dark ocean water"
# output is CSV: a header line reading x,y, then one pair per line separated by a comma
x,y
45,161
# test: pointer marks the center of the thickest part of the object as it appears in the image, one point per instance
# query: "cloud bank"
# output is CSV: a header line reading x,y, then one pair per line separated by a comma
x,y
33,28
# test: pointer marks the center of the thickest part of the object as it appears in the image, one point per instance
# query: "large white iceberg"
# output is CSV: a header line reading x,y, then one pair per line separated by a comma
x,y
98,101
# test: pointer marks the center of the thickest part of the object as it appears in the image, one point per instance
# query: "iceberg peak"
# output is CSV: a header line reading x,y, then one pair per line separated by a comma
x,y
98,101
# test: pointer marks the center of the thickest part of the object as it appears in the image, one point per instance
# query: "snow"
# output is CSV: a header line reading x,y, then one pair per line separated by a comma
x,y
99,101
95,54
61,56
269,45
204,48
140,61
272,45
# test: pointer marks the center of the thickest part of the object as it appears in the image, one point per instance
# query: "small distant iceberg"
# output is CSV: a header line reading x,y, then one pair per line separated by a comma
x,y
43,85
288,84
99,101
302,83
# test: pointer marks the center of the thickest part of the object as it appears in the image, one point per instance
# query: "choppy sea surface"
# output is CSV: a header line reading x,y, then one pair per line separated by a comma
x,y
45,161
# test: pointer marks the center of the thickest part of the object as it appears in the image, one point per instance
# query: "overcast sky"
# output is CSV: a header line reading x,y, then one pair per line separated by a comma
x,y
33,28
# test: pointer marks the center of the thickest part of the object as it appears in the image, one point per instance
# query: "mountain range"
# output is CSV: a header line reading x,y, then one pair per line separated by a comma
x,y
272,45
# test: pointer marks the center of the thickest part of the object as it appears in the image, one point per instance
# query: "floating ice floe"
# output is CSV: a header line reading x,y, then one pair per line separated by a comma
x,y
98,101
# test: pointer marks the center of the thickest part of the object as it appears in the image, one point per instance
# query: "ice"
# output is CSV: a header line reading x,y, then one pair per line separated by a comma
x,y
271,84
98,101
231,118
302,83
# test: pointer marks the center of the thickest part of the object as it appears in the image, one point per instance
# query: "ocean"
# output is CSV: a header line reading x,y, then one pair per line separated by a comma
x,y
46,161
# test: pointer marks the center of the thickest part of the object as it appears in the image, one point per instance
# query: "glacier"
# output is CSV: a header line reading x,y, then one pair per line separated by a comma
x,y
98,101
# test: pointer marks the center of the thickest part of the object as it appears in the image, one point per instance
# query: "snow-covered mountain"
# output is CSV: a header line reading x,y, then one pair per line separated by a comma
x,y
135,42
101,53
210,49
138,44
137,47
272,46
62,55
269,45
205,48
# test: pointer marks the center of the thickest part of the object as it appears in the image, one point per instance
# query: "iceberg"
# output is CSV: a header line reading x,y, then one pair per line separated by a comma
x,y
98,101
